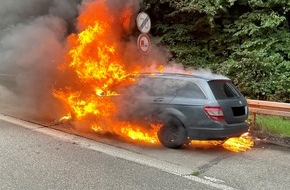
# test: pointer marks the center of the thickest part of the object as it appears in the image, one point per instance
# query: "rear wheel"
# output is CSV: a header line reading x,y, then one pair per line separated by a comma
x,y
172,134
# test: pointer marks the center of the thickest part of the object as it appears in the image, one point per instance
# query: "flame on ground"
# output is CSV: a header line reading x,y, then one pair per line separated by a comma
x,y
205,143
133,132
236,144
239,144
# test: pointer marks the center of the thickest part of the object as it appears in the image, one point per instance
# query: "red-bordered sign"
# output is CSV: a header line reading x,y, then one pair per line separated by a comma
x,y
143,22
143,43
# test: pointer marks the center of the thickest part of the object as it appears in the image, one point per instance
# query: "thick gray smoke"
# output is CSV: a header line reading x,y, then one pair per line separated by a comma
x,y
32,41
33,36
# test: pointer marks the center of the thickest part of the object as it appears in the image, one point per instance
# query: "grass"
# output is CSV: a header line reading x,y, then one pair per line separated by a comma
x,y
196,173
278,126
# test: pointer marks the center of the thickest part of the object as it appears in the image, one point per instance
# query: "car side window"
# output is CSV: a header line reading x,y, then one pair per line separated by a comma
x,y
147,86
190,90
156,87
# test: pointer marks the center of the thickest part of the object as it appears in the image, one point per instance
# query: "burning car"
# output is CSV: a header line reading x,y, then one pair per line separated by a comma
x,y
189,107
171,108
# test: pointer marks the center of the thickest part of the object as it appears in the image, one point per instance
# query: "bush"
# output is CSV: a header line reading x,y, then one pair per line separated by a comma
x,y
248,41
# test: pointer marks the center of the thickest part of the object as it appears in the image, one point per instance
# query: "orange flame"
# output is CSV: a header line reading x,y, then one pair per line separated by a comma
x,y
236,144
95,57
239,144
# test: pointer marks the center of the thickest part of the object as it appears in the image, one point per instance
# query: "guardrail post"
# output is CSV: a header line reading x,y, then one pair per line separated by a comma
x,y
253,118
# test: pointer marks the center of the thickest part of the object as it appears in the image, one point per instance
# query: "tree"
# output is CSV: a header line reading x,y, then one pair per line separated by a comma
x,y
246,40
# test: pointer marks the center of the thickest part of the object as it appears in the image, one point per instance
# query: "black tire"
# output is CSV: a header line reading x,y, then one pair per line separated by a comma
x,y
172,134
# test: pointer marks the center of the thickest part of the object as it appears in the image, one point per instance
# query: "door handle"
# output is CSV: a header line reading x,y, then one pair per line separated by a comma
x,y
158,99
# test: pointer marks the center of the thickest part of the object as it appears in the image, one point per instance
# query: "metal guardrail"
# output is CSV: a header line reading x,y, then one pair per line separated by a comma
x,y
268,108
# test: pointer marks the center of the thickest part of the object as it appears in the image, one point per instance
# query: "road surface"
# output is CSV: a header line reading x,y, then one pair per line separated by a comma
x,y
32,160
38,157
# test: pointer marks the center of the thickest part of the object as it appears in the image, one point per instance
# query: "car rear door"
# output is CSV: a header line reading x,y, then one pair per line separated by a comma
x,y
155,91
232,102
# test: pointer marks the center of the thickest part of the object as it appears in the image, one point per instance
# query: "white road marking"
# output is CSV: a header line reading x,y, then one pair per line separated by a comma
x,y
117,152
214,179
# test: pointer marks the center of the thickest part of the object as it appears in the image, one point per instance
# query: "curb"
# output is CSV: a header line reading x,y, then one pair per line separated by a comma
x,y
265,141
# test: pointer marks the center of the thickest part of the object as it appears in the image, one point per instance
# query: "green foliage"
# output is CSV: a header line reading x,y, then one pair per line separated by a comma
x,y
256,23
259,62
261,67
246,40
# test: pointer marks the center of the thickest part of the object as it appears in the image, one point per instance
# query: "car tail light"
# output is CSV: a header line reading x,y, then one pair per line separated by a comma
x,y
215,112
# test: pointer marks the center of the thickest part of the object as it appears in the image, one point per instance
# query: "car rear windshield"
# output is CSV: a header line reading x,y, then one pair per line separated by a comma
x,y
223,89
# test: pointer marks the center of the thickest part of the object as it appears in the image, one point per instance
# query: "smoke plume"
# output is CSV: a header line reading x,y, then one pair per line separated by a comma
x,y
33,44
32,41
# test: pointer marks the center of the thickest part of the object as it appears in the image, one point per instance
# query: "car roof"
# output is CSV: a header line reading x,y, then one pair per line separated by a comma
x,y
205,76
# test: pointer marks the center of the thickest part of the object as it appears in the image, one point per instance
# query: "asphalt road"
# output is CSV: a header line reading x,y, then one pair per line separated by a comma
x,y
37,157
32,160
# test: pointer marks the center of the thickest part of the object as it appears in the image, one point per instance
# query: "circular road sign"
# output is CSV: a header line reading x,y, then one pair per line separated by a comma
x,y
143,43
143,22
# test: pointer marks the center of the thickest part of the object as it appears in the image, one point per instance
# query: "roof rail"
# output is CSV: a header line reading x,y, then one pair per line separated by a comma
x,y
175,74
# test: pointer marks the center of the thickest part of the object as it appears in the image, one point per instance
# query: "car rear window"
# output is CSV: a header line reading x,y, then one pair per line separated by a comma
x,y
223,89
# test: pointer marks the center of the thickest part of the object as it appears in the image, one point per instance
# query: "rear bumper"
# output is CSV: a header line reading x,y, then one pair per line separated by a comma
x,y
218,131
